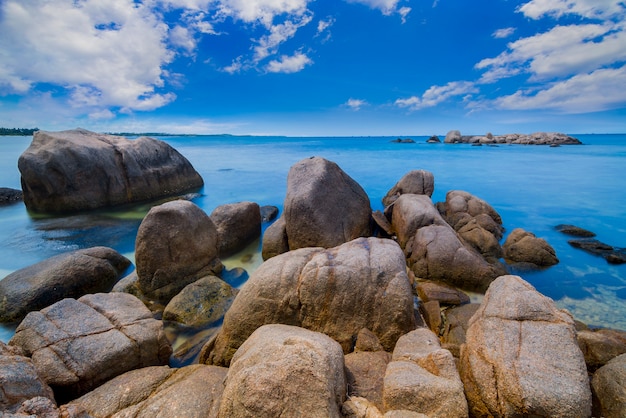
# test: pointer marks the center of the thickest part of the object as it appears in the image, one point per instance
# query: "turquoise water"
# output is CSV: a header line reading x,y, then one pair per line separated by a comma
x,y
532,187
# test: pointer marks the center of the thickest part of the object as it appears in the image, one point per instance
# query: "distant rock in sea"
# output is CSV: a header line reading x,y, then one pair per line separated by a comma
x,y
403,141
538,138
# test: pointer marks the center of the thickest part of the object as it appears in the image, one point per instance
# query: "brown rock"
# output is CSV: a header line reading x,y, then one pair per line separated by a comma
x,y
177,244
275,239
601,346
366,340
365,372
283,370
609,386
521,356
338,291
524,247
442,293
419,182
431,312
237,225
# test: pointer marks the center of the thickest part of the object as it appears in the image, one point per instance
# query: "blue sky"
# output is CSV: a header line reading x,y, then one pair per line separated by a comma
x,y
314,67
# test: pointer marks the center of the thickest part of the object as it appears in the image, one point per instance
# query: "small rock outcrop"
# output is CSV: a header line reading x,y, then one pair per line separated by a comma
x,y
521,356
283,370
324,207
9,196
177,244
194,391
524,247
414,182
337,291
76,345
77,170
237,225
422,377
453,137
537,138
68,275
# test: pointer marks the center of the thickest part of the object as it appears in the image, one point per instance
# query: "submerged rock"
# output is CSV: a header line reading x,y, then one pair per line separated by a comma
x,y
68,275
79,170
575,231
593,246
337,291
521,356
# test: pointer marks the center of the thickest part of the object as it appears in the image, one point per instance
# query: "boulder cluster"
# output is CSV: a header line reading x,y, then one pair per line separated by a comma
x,y
353,313
537,138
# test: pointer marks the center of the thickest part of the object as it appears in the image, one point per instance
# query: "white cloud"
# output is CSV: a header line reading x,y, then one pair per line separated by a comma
x,y
322,25
183,38
356,104
387,7
595,91
438,94
562,51
593,9
289,64
268,44
263,11
109,54
503,33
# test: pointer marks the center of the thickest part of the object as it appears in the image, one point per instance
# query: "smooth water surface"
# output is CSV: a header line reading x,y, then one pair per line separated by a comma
x,y
532,187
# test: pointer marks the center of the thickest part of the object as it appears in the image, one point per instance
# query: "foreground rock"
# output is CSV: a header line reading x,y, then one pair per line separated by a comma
x,y
433,249
338,291
78,170
524,247
284,370
191,392
414,182
422,377
521,356
19,382
69,275
177,244
609,386
237,225
76,345
324,207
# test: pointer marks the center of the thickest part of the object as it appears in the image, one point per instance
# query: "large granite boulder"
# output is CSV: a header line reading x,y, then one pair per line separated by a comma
x,y
19,381
609,387
524,247
521,356
177,244
237,225
77,345
200,303
68,275
78,170
475,220
413,182
411,212
337,291
159,391
422,377
283,370
324,207
275,240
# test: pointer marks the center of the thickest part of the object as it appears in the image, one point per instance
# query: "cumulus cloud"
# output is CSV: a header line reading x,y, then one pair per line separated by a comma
x,y
387,7
289,64
437,94
593,9
589,92
263,11
85,47
503,33
355,104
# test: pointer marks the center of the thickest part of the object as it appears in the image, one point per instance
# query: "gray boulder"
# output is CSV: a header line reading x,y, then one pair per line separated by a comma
x,y
414,182
200,303
275,240
76,345
177,244
524,247
324,207
284,370
19,381
9,196
337,291
237,225
78,170
422,377
411,212
190,392
68,275
609,386
452,137
521,356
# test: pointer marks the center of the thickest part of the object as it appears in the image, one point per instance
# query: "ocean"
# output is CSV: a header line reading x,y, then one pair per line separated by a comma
x,y
532,187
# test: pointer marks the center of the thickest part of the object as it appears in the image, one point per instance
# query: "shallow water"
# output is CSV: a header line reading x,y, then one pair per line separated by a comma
x,y
532,187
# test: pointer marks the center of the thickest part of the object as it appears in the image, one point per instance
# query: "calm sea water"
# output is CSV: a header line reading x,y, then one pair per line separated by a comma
x,y
532,187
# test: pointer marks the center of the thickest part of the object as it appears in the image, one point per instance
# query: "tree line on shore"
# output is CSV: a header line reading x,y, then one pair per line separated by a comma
x,y
17,131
